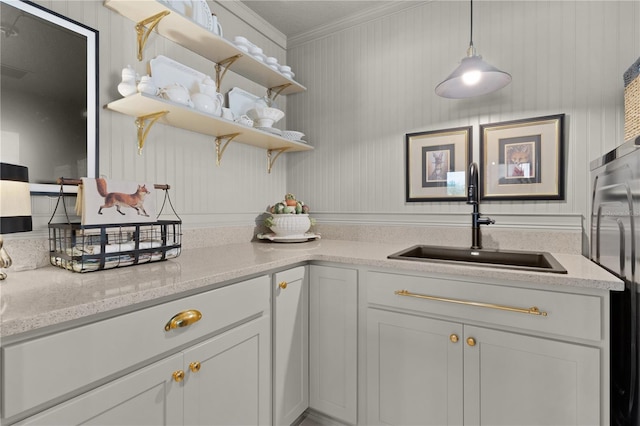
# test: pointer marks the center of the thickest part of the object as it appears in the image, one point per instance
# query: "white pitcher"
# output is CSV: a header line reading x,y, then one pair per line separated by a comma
x,y
216,28
209,87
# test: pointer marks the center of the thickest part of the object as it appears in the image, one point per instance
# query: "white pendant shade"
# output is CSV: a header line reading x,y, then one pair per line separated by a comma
x,y
473,77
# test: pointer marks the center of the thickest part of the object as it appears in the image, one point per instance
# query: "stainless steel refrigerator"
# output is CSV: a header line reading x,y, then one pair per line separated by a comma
x,y
615,241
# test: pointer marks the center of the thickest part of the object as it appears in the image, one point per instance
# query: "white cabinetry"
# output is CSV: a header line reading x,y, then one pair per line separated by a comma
x,y
291,345
441,360
228,378
217,358
333,346
147,397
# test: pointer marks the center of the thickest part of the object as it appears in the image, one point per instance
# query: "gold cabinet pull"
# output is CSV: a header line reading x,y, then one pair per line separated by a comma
x,y
178,376
534,310
194,366
471,341
283,285
454,338
183,319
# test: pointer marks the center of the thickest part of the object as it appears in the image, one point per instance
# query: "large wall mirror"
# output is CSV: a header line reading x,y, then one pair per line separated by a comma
x,y
49,102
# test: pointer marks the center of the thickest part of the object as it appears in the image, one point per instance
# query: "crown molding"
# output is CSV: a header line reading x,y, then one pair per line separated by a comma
x,y
353,20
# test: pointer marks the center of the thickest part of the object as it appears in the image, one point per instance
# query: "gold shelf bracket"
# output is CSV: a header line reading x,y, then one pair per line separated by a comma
x,y
223,66
220,148
277,90
143,32
144,124
270,160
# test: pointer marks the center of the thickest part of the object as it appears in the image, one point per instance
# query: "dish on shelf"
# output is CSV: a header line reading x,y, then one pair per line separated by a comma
x,y
270,130
259,56
165,71
265,116
293,135
309,236
202,14
240,101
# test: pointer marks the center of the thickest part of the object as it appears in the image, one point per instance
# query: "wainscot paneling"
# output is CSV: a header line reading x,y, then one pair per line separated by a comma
x,y
371,82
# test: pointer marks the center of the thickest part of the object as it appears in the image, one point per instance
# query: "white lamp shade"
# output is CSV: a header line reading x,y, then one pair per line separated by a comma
x,y
15,199
473,77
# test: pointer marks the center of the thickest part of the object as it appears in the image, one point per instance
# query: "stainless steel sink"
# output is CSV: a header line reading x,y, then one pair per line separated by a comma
x,y
522,260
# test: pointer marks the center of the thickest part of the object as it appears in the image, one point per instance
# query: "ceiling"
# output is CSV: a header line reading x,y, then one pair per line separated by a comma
x,y
295,17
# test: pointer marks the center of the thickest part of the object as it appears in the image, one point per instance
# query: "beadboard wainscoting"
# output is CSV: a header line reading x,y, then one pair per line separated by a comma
x,y
372,82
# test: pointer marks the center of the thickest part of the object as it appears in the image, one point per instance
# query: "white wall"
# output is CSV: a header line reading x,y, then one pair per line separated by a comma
x,y
372,82
204,194
369,83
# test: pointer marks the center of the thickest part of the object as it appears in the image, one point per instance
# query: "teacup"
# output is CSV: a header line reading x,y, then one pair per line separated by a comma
x,y
227,113
244,120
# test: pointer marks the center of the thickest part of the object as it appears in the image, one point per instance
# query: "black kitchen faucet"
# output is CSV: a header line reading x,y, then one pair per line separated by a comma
x,y
474,199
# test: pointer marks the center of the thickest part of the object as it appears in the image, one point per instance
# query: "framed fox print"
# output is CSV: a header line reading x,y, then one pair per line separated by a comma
x,y
523,159
436,164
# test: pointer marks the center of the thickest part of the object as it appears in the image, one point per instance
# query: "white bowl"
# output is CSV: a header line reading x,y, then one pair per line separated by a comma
x,y
271,60
241,40
265,116
293,135
290,225
255,50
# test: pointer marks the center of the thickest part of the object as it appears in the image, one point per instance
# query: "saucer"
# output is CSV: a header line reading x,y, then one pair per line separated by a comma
x,y
309,236
273,130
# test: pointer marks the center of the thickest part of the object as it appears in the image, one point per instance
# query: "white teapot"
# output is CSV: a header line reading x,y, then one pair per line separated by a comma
x,y
209,88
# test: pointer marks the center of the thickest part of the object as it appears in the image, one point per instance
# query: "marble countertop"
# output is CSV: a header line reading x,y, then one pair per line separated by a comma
x,y
50,296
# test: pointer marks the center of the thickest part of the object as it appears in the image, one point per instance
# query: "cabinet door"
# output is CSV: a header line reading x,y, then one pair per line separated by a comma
x,y
149,396
333,342
291,345
230,385
512,379
414,370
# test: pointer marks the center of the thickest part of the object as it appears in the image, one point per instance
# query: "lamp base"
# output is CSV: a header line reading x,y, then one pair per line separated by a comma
x,y
5,260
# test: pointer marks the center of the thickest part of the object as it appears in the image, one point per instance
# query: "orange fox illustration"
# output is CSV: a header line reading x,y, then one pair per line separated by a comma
x,y
119,199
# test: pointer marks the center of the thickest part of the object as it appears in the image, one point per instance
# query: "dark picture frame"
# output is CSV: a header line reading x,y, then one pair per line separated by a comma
x,y
523,159
436,164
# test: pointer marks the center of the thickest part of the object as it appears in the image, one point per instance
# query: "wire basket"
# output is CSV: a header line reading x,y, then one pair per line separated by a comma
x,y
86,248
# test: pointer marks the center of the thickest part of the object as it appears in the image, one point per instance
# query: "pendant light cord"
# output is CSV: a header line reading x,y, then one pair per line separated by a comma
x,y
471,32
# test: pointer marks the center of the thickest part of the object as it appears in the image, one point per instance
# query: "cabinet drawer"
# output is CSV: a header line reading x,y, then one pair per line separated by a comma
x,y
567,314
45,368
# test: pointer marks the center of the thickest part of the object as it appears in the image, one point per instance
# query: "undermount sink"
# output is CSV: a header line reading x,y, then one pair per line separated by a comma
x,y
522,260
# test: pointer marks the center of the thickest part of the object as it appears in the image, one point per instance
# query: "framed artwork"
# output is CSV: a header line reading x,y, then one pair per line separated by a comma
x,y
436,164
523,159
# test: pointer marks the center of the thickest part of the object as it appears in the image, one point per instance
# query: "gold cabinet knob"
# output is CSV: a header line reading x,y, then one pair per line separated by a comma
x,y
283,285
178,376
454,338
194,366
183,319
471,341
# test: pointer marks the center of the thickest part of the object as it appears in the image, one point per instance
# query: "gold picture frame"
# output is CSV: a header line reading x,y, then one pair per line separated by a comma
x,y
436,164
523,159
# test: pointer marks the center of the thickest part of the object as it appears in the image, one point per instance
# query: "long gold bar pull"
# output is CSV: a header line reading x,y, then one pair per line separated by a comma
x,y
534,310
270,160
144,126
144,35
220,148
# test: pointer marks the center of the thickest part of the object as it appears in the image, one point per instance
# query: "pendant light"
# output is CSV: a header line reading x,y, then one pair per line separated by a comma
x,y
473,77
